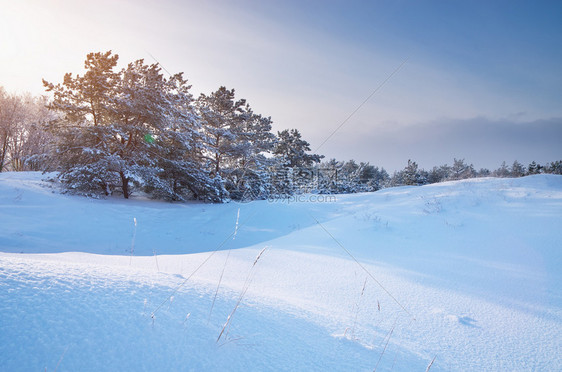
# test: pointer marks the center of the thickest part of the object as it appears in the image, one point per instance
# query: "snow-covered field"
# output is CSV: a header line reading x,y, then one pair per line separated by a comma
x,y
466,273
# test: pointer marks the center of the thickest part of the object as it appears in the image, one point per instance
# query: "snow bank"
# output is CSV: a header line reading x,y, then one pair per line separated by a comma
x,y
466,271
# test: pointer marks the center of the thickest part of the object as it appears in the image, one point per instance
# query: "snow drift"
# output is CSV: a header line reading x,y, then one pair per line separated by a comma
x,y
465,272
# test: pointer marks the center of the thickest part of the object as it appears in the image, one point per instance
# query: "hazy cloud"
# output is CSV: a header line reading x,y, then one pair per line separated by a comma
x,y
481,141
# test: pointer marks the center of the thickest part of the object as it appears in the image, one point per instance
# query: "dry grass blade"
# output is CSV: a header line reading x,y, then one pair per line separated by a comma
x,y
244,290
259,255
386,344
357,309
430,364
198,268
227,323
224,266
61,358
133,241
362,267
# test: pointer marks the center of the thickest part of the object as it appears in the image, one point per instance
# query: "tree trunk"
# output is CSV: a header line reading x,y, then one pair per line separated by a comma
x,y
217,156
125,185
217,164
3,152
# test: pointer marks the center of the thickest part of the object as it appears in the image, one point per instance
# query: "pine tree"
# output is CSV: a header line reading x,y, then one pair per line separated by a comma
x,y
326,180
412,175
555,167
84,126
483,172
175,147
460,170
502,171
220,116
133,128
291,153
517,169
534,168
292,150
236,142
372,177
249,164
439,174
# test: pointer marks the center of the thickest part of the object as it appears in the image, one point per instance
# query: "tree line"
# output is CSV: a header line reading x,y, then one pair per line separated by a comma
x,y
334,177
131,130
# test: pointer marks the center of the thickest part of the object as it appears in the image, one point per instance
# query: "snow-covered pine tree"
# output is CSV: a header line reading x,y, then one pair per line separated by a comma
x,y
397,179
502,171
554,167
371,178
518,169
291,153
483,172
412,175
348,178
534,168
117,130
439,174
220,116
83,128
327,176
173,168
460,170
235,143
292,150
248,174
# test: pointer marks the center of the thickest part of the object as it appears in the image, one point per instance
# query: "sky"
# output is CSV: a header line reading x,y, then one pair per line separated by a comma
x,y
375,81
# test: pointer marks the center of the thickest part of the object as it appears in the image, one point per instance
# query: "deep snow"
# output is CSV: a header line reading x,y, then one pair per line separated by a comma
x,y
467,272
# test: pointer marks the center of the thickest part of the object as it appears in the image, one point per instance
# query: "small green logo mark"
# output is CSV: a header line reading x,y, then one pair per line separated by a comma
x,y
148,138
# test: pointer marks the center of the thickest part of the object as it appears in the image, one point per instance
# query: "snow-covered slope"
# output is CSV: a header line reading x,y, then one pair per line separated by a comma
x,y
464,272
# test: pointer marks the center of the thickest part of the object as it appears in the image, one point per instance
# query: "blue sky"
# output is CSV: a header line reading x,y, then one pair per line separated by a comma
x,y
482,79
